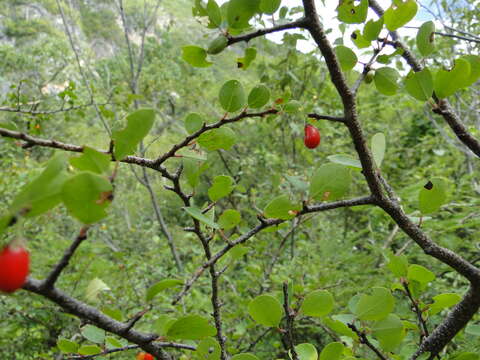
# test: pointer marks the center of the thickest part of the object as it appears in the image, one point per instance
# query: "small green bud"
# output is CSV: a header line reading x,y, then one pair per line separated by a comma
x,y
217,45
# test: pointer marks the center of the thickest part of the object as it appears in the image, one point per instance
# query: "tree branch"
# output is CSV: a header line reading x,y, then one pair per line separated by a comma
x,y
290,316
300,23
364,340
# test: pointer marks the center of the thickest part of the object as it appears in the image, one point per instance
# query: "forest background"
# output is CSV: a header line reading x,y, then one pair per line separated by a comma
x,y
292,279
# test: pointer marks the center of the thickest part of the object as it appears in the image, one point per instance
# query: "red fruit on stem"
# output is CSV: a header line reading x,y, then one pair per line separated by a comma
x,y
14,267
148,357
312,136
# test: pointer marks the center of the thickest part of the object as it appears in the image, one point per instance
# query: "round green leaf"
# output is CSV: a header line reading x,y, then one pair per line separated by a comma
x,y
447,82
389,331
281,208
420,84
192,327
372,29
193,123
330,182
378,148
340,328
89,350
93,334
318,303
398,265
195,56
258,97
346,57
232,96
91,160
351,14
239,12
216,139
474,61
155,289
386,80
332,351
443,301
432,196
229,219
221,187
426,38
400,13
86,196
420,274
359,40
196,213
67,346
306,352
376,306
214,14
208,349
266,310
269,6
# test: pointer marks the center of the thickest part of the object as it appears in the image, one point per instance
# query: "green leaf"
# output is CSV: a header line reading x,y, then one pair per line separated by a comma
x,y
94,288
359,40
473,329
339,327
330,182
244,356
351,14
221,187
217,45
372,29
195,56
232,96
386,80
447,82
112,343
389,331
346,160
93,334
162,324
474,61
238,251
432,196
155,289
346,57
196,213
208,349
400,13
229,219
266,310
443,301
193,123
239,12
306,352
281,208
44,192
376,306
113,313
215,139
245,61
426,38
318,303
214,14
258,97
86,196
89,350
138,126
269,6
398,265
378,148
332,351
91,160
191,327
467,356
419,84
420,274
67,346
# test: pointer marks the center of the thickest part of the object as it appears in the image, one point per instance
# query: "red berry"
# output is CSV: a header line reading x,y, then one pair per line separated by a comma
x,y
14,267
148,357
312,136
